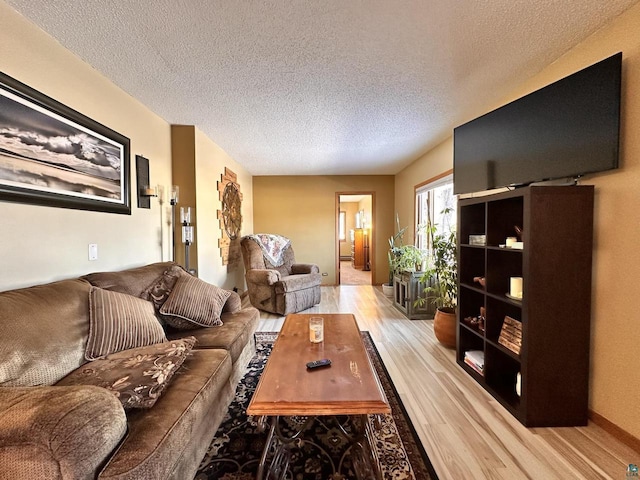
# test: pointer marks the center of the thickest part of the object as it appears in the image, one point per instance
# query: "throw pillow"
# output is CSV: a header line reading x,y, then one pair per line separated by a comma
x,y
137,376
118,321
159,291
194,303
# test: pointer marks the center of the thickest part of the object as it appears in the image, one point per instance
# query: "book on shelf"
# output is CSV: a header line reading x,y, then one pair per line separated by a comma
x,y
473,367
475,359
512,322
515,348
513,338
511,334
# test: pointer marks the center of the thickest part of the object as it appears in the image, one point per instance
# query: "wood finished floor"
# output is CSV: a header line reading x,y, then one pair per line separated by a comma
x,y
466,433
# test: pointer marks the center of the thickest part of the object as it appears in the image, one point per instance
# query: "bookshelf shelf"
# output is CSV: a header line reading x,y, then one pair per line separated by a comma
x,y
553,317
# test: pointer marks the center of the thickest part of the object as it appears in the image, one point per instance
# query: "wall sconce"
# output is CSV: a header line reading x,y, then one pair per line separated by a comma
x,y
149,191
145,191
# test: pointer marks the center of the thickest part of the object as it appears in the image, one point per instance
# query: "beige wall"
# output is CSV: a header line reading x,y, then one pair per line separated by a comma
x,y
615,363
183,169
198,166
211,161
304,210
40,244
430,165
53,242
350,209
366,205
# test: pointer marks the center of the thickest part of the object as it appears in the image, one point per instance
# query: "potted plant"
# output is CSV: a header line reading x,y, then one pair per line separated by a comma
x,y
395,244
409,258
442,280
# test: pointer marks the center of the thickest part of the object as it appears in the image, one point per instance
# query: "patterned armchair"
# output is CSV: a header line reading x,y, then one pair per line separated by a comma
x,y
275,282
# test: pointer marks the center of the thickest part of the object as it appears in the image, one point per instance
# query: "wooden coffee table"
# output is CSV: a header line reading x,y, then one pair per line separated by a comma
x,y
350,386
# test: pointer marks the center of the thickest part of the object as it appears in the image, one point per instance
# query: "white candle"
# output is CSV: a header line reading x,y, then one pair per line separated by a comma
x,y
147,191
515,287
510,241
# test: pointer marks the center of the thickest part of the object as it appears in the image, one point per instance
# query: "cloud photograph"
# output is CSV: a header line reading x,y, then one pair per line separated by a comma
x,y
42,151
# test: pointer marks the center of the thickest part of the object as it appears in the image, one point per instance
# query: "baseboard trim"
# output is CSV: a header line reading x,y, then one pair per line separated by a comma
x,y
610,427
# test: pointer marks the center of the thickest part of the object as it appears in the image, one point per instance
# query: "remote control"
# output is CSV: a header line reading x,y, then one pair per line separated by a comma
x,y
319,363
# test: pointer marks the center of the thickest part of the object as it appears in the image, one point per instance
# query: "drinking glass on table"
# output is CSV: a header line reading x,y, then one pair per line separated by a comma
x,y
316,329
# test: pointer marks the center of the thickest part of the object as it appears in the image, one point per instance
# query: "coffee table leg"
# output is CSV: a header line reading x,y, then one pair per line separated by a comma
x,y
365,460
267,446
281,446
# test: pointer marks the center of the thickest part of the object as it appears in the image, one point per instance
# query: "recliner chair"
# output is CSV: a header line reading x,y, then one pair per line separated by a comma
x,y
285,288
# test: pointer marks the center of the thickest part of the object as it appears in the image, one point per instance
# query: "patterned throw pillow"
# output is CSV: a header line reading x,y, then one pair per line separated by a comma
x,y
160,290
137,376
194,303
118,322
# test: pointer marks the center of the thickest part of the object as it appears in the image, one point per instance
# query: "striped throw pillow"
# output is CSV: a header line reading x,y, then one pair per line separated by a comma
x,y
194,303
118,322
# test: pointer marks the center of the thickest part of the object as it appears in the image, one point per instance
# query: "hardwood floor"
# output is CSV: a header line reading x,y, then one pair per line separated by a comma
x,y
466,433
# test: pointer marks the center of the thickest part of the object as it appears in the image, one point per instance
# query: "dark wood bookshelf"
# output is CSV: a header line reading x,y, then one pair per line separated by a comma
x,y
555,309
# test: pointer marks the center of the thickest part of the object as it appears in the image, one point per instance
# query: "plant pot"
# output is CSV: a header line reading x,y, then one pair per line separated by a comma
x,y
444,326
387,290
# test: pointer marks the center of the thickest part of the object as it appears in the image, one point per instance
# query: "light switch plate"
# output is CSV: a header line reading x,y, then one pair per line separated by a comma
x,y
93,251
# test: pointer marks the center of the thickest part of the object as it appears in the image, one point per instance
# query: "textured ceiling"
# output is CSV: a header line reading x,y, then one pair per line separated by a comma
x,y
320,87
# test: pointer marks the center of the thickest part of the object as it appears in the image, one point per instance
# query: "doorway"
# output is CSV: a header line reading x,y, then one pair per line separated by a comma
x,y
354,216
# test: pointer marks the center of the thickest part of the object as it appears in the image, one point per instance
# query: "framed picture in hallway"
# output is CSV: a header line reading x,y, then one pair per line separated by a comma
x,y
55,156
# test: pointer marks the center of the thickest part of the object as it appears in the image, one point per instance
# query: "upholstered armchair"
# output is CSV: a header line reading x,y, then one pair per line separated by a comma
x,y
276,283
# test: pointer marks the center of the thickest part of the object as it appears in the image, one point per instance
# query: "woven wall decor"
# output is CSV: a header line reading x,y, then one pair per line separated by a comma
x,y
230,218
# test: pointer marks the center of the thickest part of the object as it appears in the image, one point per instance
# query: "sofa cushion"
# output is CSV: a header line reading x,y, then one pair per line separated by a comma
x,y
194,303
232,336
44,332
161,437
134,281
137,376
119,322
233,303
159,291
58,432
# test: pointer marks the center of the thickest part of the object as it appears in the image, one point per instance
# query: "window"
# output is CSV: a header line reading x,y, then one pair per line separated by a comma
x,y
342,226
436,205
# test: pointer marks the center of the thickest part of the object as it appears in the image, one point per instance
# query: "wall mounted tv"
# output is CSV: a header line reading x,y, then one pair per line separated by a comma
x,y
564,130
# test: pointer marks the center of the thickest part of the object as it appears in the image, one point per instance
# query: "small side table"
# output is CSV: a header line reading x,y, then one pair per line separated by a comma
x,y
407,288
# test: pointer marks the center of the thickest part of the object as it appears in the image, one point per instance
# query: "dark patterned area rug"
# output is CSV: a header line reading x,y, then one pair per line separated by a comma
x,y
235,451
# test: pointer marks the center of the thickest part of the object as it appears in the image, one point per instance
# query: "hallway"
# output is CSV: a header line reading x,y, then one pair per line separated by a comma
x,y
352,276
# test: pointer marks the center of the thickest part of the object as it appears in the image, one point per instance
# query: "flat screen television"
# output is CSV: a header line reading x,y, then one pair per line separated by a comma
x,y
564,130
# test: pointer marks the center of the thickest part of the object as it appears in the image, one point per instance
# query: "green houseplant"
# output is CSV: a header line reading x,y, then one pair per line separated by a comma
x,y
443,293
441,279
402,257
393,255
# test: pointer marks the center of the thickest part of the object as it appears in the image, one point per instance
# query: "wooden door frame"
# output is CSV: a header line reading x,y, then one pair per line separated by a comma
x,y
372,243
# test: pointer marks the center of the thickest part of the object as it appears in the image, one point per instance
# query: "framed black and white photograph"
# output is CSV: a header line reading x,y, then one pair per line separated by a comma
x,y
53,155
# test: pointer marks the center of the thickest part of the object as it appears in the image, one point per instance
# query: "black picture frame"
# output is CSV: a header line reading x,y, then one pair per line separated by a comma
x,y
53,155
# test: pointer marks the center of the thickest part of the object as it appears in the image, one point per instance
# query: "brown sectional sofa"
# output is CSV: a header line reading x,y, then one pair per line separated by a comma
x,y
52,430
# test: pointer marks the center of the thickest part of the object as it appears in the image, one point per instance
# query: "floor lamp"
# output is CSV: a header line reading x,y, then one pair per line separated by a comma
x,y
173,200
187,234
